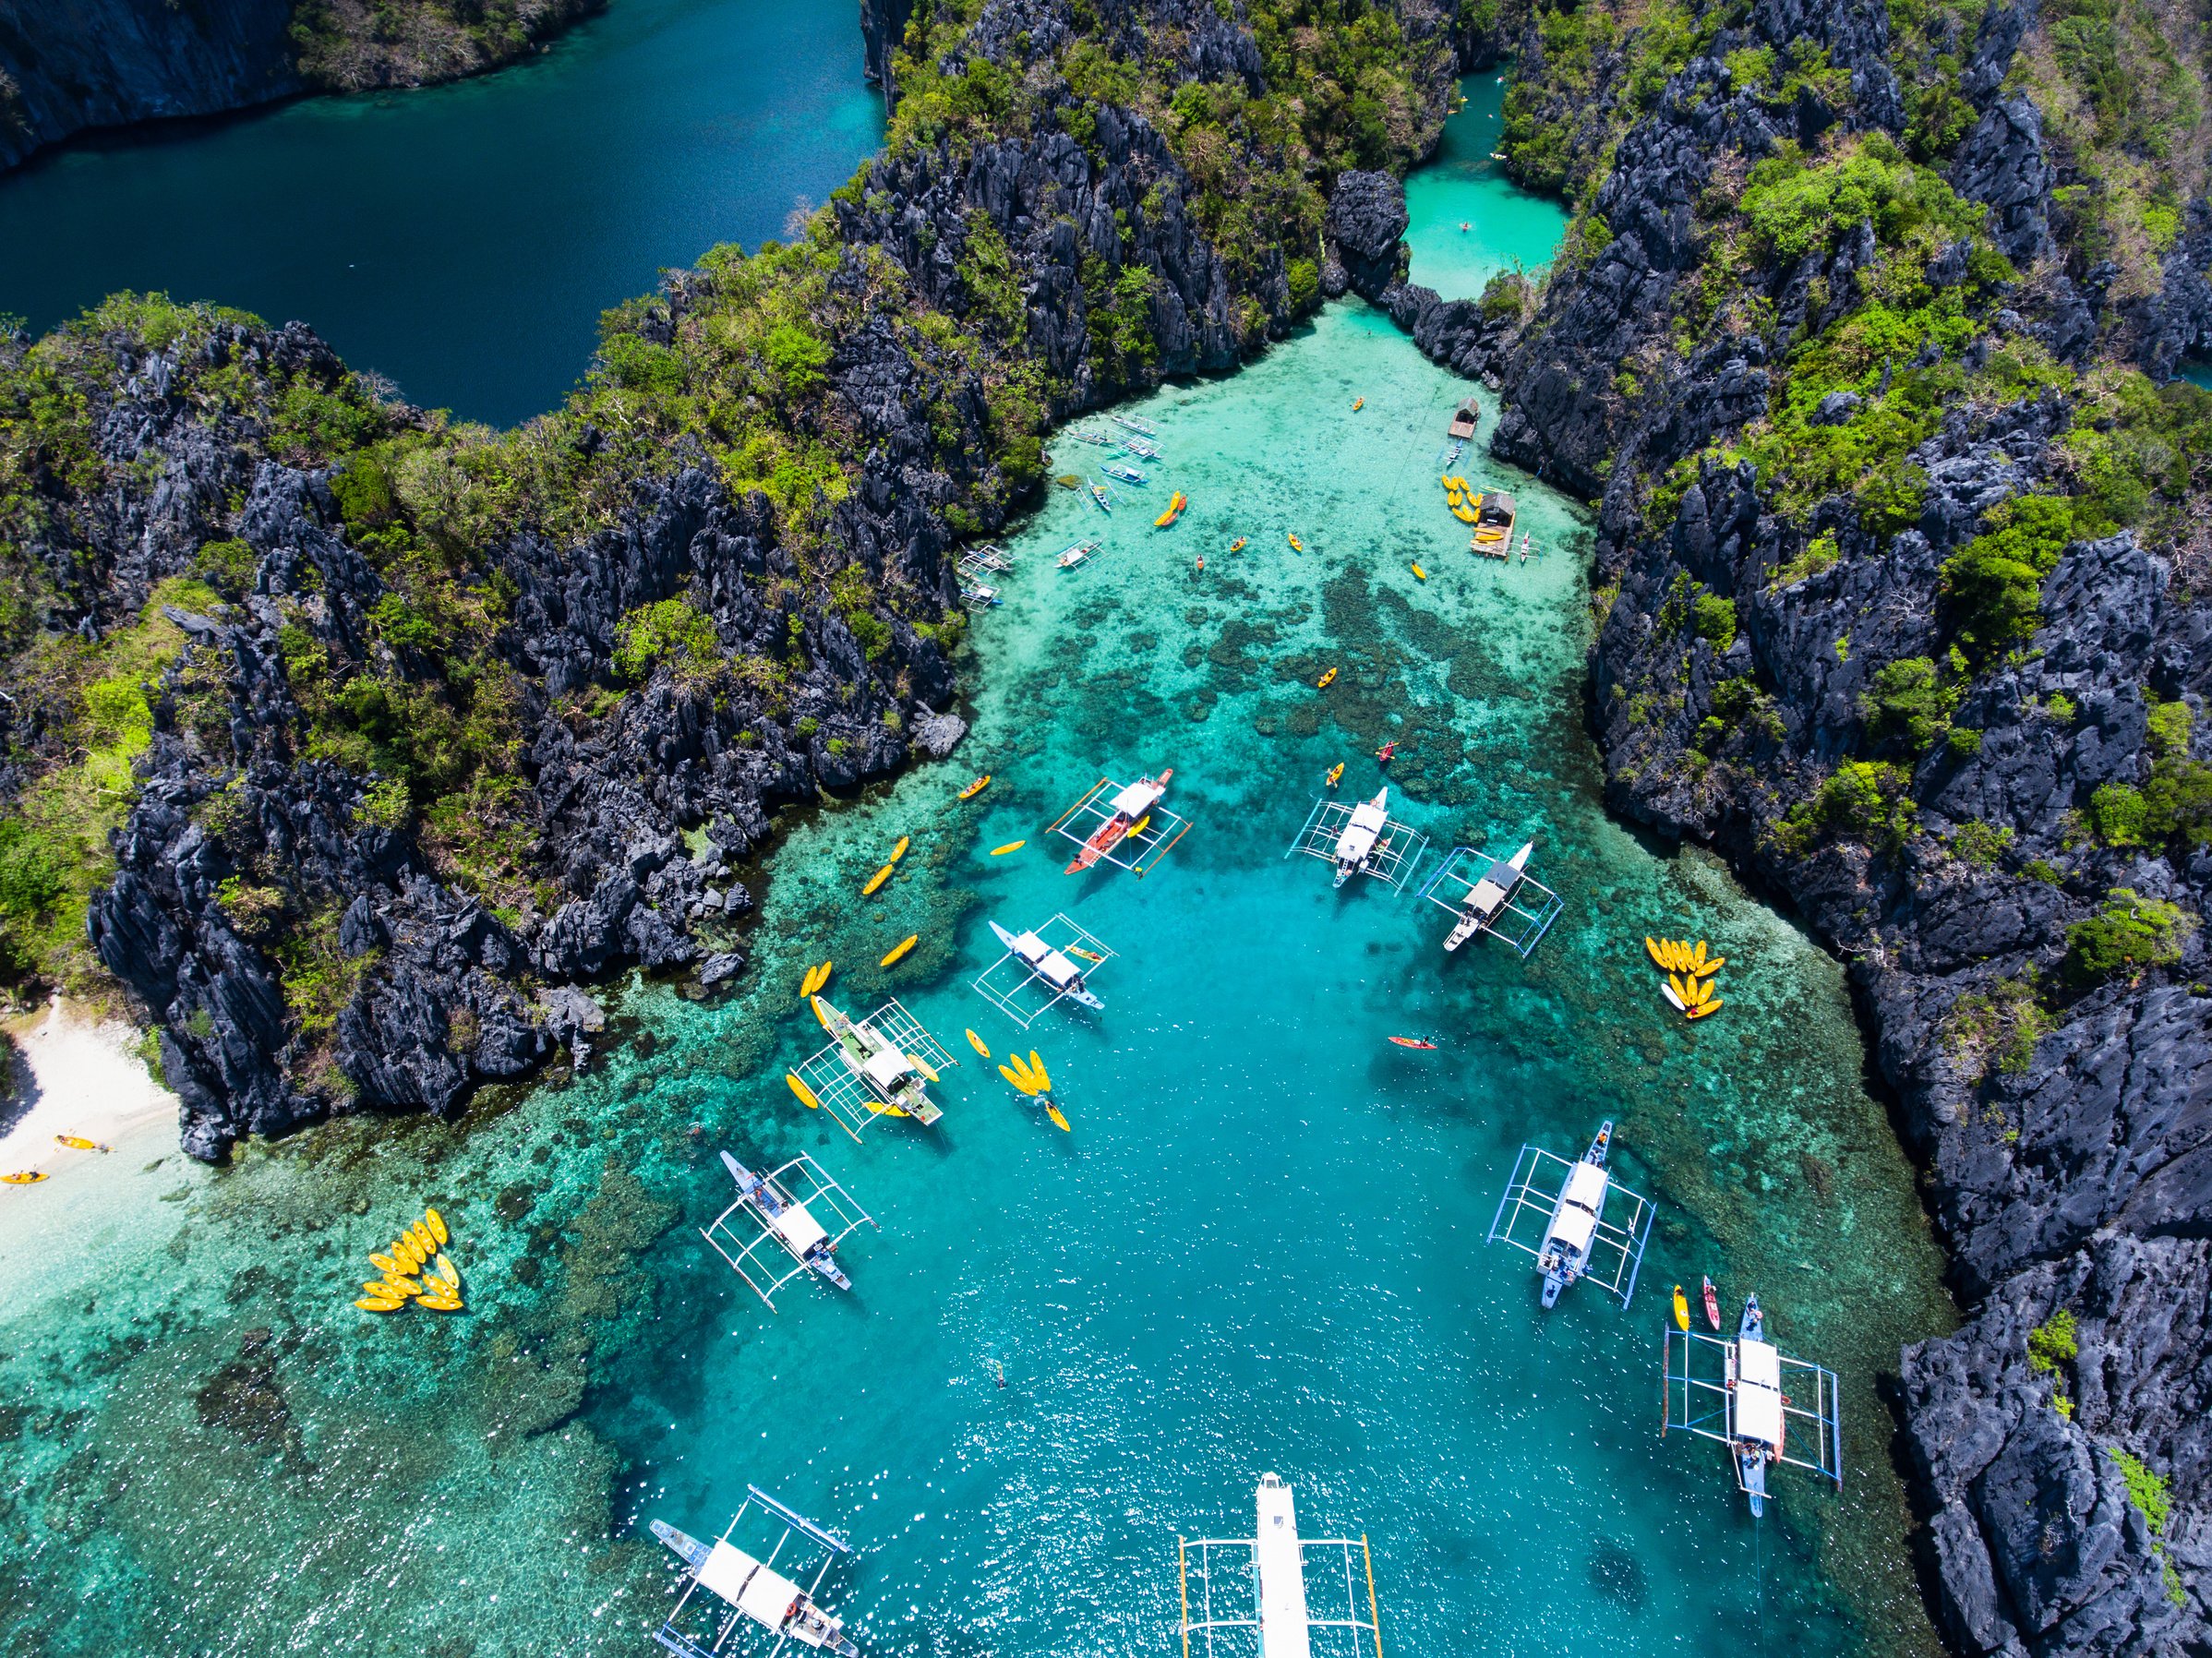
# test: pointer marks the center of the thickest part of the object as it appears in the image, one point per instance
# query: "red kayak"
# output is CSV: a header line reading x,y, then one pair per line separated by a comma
x,y
1387,753
1713,1305
1412,1042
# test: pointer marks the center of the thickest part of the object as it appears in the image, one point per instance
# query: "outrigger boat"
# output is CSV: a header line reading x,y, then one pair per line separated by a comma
x,y
1265,1573
1131,424
1361,838
1502,899
1121,824
1079,553
780,1203
1124,471
1103,501
1733,1391
752,1587
872,1067
1043,967
1084,435
1575,1240
1138,446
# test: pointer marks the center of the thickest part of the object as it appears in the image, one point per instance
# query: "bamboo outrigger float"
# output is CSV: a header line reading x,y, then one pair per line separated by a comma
x,y
781,1206
1043,967
1493,896
1123,824
1361,838
1272,1581
753,1588
1733,1391
876,1066
1555,1211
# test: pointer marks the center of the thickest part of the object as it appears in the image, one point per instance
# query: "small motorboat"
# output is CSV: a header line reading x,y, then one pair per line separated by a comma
x,y
1713,1305
1124,471
895,1077
900,949
1138,446
1297,545
1488,896
1387,753
1326,681
1061,976
1362,836
1129,422
1082,435
1134,802
976,788
1336,775
1414,1042
1077,553
1681,1309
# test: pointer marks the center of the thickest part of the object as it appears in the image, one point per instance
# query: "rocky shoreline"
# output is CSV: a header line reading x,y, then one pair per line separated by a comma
x,y
1838,678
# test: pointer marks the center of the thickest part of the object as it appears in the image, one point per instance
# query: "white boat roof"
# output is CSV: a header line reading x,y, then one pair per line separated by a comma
x,y
1485,896
769,1597
740,1579
1586,1185
1280,1563
1058,971
797,1228
1758,1392
1357,840
885,1067
1027,945
1138,797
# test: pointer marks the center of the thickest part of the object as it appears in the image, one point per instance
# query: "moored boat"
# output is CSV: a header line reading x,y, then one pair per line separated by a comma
x,y
1582,1205
1488,896
1135,801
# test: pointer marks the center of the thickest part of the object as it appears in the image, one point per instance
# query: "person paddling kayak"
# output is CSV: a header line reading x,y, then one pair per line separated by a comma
x,y
1387,751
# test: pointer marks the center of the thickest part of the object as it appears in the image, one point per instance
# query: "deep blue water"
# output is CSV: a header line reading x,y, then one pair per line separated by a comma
x,y
463,239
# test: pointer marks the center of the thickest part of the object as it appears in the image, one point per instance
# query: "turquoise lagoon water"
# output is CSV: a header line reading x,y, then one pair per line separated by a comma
x,y
463,239
1259,1248
1507,227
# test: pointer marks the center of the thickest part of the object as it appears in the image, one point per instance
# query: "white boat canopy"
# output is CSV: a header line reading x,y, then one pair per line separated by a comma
x,y
1758,1392
1547,1197
1505,903
1264,1587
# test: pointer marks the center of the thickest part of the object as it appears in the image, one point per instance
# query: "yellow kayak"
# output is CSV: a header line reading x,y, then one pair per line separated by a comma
x,y
1012,845
1297,545
447,1270
377,1304
1138,828
976,788
80,1142
900,949
1465,514
440,1304
876,880
1059,1121
900,851
24,1177
1675,983
1238,545
404,1248
1419,572
1336,772
439,1234
1703,1008
924,1066
976,1042
1705,969
1018,1081
1037,1070
425,1245
1681,1307
1358,403
1657,954
806,1094
1326,681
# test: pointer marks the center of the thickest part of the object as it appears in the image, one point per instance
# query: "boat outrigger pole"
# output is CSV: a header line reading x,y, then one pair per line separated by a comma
x,y
1746,1394
1272,1580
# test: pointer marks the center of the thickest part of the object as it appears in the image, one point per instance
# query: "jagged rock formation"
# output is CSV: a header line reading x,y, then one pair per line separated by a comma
x,y
441,728
67,68
1801,662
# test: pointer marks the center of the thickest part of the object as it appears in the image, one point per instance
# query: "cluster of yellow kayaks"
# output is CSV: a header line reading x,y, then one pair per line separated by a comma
x,y
883,874
1461,499
816,977
1029,1076
1176,502
416,1270
1690,975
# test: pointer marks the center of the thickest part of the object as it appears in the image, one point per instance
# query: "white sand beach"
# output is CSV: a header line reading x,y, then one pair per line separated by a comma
x,y
91,1083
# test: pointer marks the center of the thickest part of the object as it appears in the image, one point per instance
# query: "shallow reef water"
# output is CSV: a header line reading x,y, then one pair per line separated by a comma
x,y
1259,1248
1465,184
